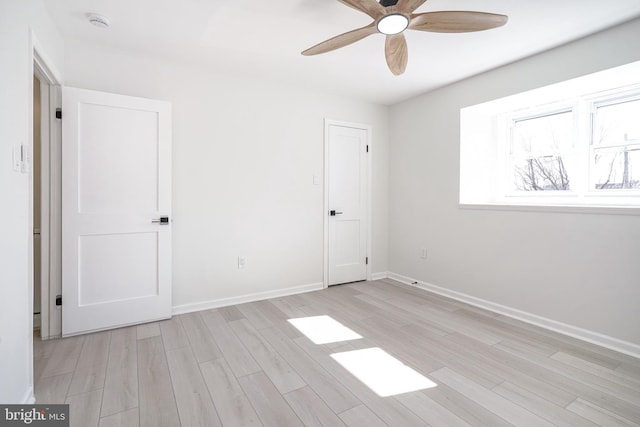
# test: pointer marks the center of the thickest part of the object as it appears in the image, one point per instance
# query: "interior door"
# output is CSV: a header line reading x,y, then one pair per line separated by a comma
x,y
347,195
116,210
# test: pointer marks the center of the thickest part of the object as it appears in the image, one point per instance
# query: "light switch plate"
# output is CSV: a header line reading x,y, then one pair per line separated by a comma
x,y
17,158
26,159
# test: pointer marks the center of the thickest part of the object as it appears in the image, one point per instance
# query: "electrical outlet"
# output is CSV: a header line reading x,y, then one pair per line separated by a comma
x,y
242,262
423,253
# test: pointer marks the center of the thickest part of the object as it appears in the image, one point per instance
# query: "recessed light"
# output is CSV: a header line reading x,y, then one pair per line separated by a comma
x,y
99,21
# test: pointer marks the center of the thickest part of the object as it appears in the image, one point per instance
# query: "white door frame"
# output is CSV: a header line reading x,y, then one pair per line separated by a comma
x,y
50,232
367,213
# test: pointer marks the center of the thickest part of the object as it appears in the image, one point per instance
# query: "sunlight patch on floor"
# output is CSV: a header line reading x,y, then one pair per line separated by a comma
x,y
381,372
323,329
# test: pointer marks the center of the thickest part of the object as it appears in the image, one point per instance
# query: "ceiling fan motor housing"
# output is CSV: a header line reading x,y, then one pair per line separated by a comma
x,y
387,3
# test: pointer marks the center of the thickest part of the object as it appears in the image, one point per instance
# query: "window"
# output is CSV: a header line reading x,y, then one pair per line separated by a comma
x,y
615,145
540,148
576,143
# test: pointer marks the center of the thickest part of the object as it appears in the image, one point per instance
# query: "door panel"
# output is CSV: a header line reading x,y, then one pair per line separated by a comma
x,y
348,251
347,172
117,267
116,179
110,158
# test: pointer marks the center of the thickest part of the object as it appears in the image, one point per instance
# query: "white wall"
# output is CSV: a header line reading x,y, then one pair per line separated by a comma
x,y
17,19
579,269
244,155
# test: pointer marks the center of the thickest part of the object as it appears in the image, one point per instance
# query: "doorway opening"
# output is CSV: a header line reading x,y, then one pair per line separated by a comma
x,y
37,208
45,185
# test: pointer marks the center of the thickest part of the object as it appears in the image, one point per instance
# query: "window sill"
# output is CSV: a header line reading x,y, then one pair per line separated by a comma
x,y
572,209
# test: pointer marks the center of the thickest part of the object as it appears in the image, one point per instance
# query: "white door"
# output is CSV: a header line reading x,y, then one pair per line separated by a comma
x,y
116,186
347,199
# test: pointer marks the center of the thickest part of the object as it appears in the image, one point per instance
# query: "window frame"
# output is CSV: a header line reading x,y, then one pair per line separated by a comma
x,y
613,98
531,114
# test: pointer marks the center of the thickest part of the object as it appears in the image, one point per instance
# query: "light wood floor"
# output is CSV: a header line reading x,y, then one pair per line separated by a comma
x,y
246,365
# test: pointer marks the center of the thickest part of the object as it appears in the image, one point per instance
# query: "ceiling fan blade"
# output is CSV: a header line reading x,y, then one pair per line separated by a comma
x,y
395,50
458,21
370,7
408,6
342,40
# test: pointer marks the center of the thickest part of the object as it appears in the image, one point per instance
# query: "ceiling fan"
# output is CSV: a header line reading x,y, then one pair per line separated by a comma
x,y
392,17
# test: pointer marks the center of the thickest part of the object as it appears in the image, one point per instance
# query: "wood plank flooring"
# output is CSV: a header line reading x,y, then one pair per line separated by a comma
x,y
246,365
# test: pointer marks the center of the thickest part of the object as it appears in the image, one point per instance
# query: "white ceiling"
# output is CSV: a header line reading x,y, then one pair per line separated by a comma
x,y
260,39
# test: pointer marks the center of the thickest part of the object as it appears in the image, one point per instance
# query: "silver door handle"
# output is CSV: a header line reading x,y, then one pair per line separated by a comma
x,y
163,220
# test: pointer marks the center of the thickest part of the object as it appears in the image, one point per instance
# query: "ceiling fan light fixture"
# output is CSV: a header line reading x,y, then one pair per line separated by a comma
x,y
394,23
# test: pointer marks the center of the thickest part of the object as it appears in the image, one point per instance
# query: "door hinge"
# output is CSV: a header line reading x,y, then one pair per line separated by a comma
x,y
367,148
58,299
366,260
59,113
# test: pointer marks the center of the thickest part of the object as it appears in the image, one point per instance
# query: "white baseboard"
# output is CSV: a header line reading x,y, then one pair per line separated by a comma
x,y
241,299
379,276
602,340
29,398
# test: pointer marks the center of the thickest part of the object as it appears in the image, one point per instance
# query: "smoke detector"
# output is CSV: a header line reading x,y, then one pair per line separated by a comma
x,y
99,21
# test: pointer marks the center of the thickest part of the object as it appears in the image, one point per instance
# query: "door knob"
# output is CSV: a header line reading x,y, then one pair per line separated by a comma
x,y
334,213
163,220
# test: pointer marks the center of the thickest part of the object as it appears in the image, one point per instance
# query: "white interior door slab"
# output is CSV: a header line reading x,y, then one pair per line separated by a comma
x,y
116,186
347,194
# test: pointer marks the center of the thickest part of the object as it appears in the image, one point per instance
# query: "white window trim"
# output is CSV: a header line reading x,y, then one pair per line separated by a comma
x,y
559,208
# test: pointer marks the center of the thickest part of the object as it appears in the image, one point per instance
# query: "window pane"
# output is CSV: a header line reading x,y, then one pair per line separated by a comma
x,y
617,124
616,168
539,152
541,174
546,135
